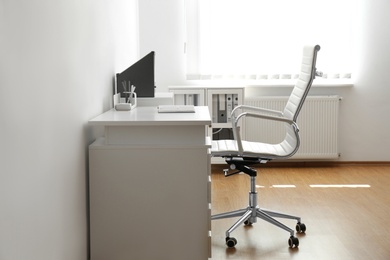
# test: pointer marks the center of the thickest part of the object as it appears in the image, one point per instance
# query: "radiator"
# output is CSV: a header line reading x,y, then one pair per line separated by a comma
x,y
317,121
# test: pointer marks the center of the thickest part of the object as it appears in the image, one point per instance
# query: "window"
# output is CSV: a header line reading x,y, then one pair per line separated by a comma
x,y
263,39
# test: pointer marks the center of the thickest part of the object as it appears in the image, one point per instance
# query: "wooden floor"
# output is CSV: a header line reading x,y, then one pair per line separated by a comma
x,y
350,219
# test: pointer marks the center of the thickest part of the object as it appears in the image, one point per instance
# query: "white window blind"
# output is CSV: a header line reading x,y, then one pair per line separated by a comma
x,y
263,39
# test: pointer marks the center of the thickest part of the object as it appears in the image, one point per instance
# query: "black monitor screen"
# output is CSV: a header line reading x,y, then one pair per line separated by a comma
x,y
141,75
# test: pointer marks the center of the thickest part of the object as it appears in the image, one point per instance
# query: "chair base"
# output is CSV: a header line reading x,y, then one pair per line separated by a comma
x,y
249,215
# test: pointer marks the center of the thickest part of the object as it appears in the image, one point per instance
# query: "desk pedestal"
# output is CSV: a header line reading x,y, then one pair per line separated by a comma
x,y
150,201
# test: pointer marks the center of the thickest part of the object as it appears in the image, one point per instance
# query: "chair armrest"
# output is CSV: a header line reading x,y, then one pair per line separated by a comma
x,y
264,111
278,116
268,117
257,109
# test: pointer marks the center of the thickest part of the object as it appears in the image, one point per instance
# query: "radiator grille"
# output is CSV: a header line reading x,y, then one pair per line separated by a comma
x,y
317,121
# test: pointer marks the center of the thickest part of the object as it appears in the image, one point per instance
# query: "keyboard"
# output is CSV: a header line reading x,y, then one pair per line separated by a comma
x,y
176,109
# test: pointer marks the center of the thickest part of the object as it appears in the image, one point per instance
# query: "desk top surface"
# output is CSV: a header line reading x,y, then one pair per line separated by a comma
x,y
142,116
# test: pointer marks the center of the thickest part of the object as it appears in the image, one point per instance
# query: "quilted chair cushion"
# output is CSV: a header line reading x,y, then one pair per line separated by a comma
x,y
222,148
303,84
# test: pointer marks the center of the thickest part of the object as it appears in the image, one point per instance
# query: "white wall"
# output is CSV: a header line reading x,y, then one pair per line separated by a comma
x,y
365,109
58,60
162,29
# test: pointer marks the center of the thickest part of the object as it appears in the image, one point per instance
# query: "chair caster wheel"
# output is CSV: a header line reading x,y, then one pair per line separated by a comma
x,y
293,242
300,227
231,241
248,223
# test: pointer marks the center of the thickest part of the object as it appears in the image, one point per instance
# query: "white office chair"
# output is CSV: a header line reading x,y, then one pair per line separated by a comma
x,y
240,154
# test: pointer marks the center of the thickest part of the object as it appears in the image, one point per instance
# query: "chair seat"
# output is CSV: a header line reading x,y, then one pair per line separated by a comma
x,y
255,149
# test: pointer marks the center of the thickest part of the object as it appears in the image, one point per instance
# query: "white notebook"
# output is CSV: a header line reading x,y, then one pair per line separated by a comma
x,y
176,109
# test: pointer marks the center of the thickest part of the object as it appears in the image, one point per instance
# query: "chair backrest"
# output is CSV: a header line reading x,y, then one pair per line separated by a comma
x,y
295,102
302,87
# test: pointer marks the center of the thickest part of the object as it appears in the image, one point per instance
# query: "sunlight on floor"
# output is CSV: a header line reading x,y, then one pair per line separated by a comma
x,y
340,186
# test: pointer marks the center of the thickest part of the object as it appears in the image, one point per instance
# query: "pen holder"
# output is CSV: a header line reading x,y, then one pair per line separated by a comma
x,y
131,103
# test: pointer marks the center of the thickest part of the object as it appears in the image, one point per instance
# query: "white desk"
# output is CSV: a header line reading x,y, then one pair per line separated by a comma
x,y
149,186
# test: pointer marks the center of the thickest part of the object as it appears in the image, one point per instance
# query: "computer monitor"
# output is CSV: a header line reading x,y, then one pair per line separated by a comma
x,y
141,75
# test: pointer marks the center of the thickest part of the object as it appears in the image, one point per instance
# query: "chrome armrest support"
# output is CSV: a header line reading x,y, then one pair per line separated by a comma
x,y
278,116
